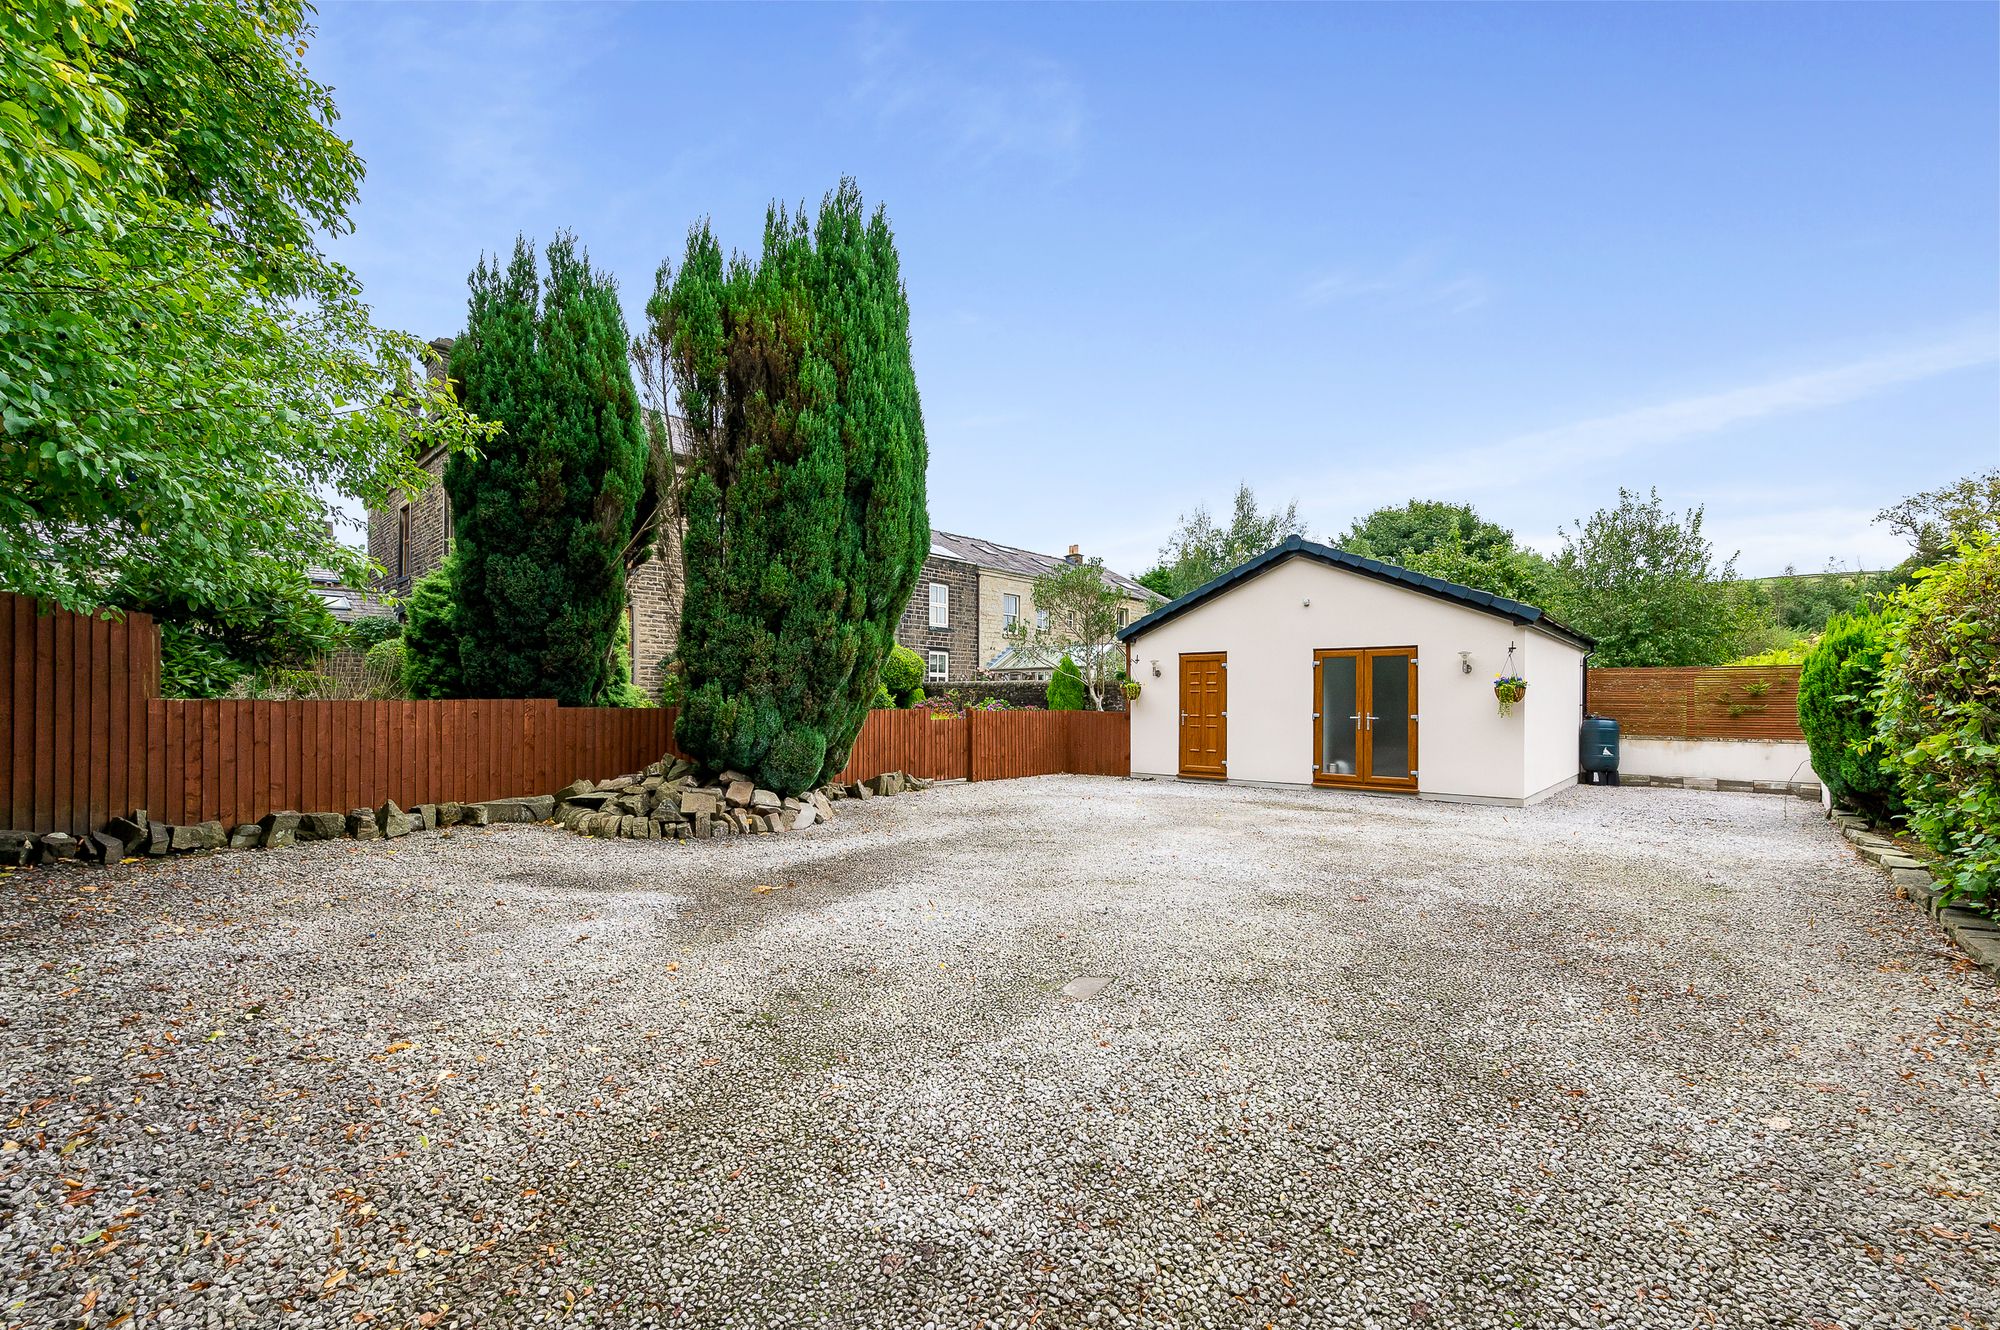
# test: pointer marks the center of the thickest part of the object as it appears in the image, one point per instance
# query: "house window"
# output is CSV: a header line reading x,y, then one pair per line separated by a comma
x,y
940,605
1010,612
940,666
1124,616
403,542
1042,620
450,527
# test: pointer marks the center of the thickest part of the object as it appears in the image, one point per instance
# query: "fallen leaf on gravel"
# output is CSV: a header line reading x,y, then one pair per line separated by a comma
x,y
335,1277
399,1046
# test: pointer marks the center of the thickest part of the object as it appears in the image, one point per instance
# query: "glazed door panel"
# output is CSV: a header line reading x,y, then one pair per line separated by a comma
x,y
1365,717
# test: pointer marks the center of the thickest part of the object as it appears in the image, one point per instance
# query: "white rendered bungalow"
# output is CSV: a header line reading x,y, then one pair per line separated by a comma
x,y
1312,666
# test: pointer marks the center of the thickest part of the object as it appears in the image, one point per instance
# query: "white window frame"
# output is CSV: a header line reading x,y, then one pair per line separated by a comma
x,y
1010,610
940,605
1042,620
937,667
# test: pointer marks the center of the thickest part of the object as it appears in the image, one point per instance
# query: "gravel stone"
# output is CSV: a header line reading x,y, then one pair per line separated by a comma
x,y
1632,1058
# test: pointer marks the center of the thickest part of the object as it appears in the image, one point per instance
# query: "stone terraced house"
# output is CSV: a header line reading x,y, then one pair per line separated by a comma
x,y
972,591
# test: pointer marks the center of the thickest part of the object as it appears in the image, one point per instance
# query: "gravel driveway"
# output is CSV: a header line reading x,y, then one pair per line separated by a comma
x,y
1632,1057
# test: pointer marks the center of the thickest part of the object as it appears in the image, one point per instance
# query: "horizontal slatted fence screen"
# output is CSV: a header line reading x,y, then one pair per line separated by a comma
x,y
72,715
1721,702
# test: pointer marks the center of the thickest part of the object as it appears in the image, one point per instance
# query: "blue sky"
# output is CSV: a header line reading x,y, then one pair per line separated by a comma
x,y
1516,256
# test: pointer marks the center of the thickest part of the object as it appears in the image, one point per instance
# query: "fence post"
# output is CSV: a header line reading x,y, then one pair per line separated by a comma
x,y
972,744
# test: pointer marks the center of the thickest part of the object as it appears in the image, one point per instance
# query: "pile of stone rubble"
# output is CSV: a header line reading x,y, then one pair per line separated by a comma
x,y
669,801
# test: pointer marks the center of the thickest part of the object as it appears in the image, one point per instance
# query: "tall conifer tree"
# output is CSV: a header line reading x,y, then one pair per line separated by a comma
x,y
542,516
806,521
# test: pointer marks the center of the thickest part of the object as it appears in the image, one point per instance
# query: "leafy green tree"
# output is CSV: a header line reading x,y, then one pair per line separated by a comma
x,y
185,378
1936,522
542,519
1397,535
1201,550
804,504
1451,541
1837,684
1644,583
1065,691
1940,714
1076,611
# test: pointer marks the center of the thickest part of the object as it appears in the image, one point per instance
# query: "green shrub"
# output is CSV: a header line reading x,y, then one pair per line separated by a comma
x,y
383,668
1837,712
620,690
431,665
1940,715
882,702
1066,686
902,672
192,665
915,698
363,634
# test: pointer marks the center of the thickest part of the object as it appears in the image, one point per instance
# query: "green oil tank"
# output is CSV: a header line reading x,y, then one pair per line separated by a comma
x,y
1599,750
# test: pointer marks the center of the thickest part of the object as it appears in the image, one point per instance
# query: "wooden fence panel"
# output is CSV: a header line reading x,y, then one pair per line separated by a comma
x,y
1723,702
89,738
73,715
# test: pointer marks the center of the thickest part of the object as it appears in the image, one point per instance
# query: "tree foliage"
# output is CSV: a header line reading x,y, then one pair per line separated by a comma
x,y
903,675
1451,541
1065,691
1201,550
1940,714
1644,583
541,520
804,505
1936,522
1076,608
184,376
1837,684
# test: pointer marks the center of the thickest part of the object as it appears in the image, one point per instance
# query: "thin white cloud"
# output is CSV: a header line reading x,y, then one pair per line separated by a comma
x,y
973,110
1417,282
1512,462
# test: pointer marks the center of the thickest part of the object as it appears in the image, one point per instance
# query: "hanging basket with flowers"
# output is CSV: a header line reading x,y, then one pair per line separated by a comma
x,y
1509,688
1131,687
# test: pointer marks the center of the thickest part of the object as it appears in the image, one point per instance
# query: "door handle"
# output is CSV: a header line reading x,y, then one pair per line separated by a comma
x,y
1371,721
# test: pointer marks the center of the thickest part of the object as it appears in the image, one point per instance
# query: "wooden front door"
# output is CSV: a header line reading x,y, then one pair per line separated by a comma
x,y
1364,716
1205,715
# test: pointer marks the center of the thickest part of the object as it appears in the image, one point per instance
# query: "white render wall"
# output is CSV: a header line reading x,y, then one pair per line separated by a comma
x,y
1464,748
1551,713
1717,759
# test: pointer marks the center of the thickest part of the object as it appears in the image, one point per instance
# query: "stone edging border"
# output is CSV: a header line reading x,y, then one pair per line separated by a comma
x,y
1976,935
1801,789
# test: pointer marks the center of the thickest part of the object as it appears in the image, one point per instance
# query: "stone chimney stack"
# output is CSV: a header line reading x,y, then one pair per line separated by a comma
x,y
1075,554
434,365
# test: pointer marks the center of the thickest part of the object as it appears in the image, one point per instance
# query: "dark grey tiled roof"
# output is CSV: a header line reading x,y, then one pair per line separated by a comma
x,y
1025,563
1513,610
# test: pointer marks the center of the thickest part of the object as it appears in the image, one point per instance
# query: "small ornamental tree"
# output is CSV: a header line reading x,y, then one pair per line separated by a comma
x,y
804,496
1066,687
1940,715
1837,713
1076,609
542,519
903,675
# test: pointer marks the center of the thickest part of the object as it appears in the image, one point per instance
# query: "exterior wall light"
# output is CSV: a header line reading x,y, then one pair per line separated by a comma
x,y
1465,662
1156,669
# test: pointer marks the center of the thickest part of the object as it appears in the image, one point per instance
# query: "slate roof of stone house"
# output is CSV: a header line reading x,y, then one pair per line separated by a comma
x,y
1515,611
1024,563
344,602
